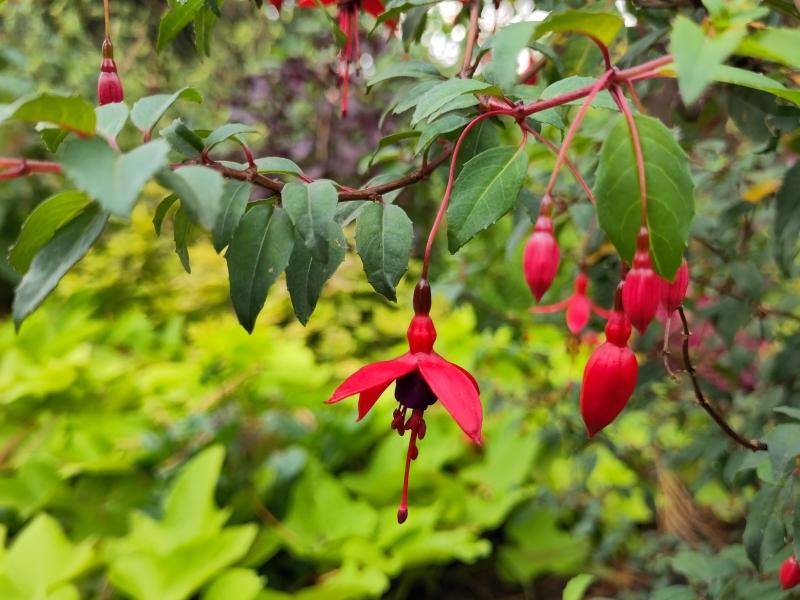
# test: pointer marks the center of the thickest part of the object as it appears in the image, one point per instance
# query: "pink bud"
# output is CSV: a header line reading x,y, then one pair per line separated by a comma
x,y
790,573
109,85
609,377
641,292
672,294
540,262
579,308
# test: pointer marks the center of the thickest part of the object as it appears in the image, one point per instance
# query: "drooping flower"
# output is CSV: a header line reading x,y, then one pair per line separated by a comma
x,y
578,306
641,293
673,293
542,255
109,85
609,377
422,377
347,18
790,573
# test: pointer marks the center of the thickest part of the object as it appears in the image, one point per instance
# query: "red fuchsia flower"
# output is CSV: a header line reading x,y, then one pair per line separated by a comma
x,y
422,377
641,293
789,573
541,258
673,293
109,85
609,377
578,306
347,17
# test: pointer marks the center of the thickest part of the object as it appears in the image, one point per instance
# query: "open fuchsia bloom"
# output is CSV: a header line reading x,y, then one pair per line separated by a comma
x,y
641,293
541,258
579,306
789,573
109,85
673,293
422,377
609,377
347,18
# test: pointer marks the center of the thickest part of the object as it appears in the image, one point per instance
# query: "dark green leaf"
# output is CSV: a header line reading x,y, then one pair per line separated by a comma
x,y
430,133
69,112
182,139
311,208
670,193
383,239
570,84
277,164
409,97
54,259
148,111
442,93
114,180
778,44
181,228
787,220
235,196
391,139
259,252
200,190
305,275
43,222
486,188
784,446
405,69
231,130
762,519
506,45
52,136
177,17
161,211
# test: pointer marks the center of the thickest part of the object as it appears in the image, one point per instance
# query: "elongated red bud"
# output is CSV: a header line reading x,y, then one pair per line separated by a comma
x,y
540,262
109,85
609,377
642,290
672,294
789,573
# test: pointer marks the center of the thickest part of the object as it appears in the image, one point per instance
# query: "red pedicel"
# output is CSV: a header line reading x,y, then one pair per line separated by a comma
x,y
109,85
672,294
641,293
540,262
609,377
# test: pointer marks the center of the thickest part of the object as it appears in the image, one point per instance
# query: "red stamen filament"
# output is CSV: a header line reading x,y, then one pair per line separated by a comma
x,y
417,426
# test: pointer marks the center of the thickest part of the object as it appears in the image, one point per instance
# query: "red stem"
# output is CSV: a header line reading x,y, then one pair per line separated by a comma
x,y
603,48
402,511
619,98
106,16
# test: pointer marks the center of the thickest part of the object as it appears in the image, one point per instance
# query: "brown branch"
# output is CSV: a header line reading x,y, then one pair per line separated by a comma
x,y
750,444
467,69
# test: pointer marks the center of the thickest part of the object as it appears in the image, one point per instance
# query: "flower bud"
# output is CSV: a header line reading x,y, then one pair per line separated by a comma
x,y
789,573
109,85
540,262
641,293
609,377
672,294
579,307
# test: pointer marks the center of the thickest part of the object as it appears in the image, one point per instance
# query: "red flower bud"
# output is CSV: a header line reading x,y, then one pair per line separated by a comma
x,y
609,377
579,307
789,573
642,290
672,294
542,255
109,85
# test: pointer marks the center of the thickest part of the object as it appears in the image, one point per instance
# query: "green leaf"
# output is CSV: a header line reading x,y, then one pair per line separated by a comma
x,y
576,587
111,118
763,522
430,133
54,259
757,81
604,26
311,207
43,222
670,193
161,211
408,69
189,507
697,55
784,446
259,252
235,196
391,139
181,229
241,584
68,112
409,98
114,180
177,17
486,188
277,164
200,190
506,46
52,136
225,132
149,110
305,275
383,239
182,139
570,84
777,44
442,93
787,220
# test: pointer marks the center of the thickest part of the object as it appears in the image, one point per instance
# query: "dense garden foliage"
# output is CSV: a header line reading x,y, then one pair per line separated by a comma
x,y
162,382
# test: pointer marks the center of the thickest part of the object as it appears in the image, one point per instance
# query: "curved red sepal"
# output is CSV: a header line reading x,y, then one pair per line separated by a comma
x,y
457,392
373,375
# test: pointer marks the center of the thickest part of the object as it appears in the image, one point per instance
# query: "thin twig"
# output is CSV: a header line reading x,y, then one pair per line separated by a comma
x,y
750,444
472,37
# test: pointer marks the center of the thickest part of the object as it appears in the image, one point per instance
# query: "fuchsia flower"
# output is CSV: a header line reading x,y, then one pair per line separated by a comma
x,y
789,574
422,377
347,17
541,258
641,293
578,306
109,85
